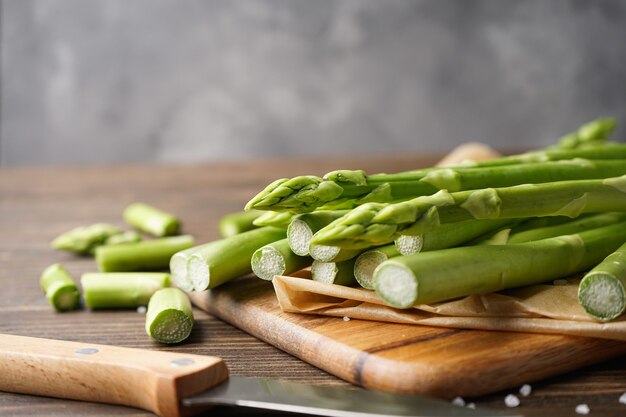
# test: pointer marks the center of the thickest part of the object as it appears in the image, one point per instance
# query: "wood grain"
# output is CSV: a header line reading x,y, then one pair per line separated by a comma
x,y
36,204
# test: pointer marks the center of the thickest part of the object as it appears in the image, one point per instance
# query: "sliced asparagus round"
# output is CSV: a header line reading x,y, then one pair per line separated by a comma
x,y
277,259
169,318
60,289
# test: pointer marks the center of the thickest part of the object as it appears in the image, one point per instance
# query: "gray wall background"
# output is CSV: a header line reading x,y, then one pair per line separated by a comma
x,y
187,80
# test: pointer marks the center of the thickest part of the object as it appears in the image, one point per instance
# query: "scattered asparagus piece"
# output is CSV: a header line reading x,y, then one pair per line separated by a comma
x,y
148,255
60,289
277,259
602,291
169,318
222,260
151,220
124,237
121,289
83,240
304,226
274,219
368,261
441,275
376,224
339,273
239,222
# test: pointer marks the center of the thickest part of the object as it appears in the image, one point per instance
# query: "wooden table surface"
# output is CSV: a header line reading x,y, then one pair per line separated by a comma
x,y
36,204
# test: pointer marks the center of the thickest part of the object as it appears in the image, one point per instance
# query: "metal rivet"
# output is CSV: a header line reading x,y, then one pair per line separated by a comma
x,y
86,351
181,362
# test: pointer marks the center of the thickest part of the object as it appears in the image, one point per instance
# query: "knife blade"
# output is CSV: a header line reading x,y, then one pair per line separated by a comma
x,y
179,384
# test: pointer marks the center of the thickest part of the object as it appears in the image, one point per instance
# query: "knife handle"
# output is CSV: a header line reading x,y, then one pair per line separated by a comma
x,y
151,380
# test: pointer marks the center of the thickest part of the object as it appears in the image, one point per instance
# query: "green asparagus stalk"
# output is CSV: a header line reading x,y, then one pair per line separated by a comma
x,y
124,237
169,318
148,255
83,240
338,273
602,290
386,188
595,132
59,287
179,267
441,275
277,259
151,220
121,289
585,222
303,226
274,219
225,259
376,224
368,261
239,222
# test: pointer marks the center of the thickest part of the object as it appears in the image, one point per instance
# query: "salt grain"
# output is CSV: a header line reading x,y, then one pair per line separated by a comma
x,y
142,309
622,399
582,409
346,318
471,405
525,390
511,401
458,401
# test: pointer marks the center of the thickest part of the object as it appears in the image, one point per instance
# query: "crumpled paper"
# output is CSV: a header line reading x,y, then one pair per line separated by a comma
x,y
544,308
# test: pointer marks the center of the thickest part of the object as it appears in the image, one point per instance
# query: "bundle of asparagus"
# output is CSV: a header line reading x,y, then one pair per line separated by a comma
x,y
471,221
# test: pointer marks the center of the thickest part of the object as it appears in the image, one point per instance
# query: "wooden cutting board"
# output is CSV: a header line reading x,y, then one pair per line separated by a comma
x,y
403,358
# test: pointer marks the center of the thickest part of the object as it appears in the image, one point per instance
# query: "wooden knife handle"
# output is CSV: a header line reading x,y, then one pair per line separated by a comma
x,y
152,380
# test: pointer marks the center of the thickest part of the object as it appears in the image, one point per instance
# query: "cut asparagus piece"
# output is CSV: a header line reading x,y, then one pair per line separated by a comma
x,y
303,226
446,274
59,287
239,222
448,235
277,259
339,273
83,240
226,259
121,289
148,255
124,237
151,220
368,261
602,291
274,219
377,224
169,318
586,222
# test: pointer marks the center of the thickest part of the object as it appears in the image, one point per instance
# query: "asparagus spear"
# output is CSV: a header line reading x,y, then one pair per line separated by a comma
x,y
179,267
169,318
124,237
151,220
339,273
122,289
361,188
274,219
602,291
375,224
277,258
593,133
225,259
239,222
445,274
368,261
60,289
303,226
148,255
83,240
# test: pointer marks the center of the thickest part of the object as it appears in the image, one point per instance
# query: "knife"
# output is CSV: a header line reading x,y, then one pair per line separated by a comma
x,y
177,385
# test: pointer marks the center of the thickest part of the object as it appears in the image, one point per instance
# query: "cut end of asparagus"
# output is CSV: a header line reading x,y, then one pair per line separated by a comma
x,y
396,285
179,272
267,262
324,253
325,272
199,273
365,265
602,296
299,235
63,297
169,318
408,245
